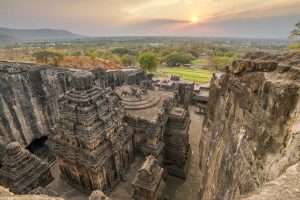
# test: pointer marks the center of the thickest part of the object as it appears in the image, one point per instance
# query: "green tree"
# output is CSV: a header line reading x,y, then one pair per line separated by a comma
x,y
128,60
177,58
93,54
121,51
149,61
41,56
77,54
111,57
49,55
57,57
296,32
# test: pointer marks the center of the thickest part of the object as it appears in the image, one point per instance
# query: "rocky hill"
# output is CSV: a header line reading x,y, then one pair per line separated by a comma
x,y
38,34
6,39
251,131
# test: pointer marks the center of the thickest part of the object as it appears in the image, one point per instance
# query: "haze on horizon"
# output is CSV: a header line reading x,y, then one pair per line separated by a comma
x,y
215,18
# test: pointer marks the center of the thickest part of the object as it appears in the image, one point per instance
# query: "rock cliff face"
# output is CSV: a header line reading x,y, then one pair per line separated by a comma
x,y
251,131
29,93
287,186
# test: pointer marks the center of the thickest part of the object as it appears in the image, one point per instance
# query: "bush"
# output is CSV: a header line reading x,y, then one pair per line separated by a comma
x,y
176,59
149,61
128,60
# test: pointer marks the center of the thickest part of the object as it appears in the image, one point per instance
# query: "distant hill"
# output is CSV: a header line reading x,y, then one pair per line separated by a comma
x,y
38,34
6,39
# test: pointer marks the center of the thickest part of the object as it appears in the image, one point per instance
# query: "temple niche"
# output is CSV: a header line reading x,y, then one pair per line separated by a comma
x,y
92,144
22,171
149,183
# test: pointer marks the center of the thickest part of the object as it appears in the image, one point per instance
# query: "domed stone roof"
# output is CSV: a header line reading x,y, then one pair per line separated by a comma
x,y
135,98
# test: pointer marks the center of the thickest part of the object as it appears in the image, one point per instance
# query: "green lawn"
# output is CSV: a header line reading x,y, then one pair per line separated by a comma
x,y
186,73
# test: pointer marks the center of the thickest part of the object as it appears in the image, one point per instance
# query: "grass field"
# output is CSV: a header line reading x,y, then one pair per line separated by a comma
x,y
190,74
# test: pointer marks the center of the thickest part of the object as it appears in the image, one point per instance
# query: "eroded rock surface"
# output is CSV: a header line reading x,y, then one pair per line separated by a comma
x,y
251,131
284,187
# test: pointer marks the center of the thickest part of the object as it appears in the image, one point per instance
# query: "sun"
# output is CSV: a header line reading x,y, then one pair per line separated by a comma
x,y
194,20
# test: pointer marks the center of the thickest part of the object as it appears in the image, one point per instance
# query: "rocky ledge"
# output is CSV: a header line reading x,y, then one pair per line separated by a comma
x,y
251,134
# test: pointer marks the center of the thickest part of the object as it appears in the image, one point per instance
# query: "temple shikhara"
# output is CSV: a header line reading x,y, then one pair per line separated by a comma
x,y
149,182
23,171
92,144
176,138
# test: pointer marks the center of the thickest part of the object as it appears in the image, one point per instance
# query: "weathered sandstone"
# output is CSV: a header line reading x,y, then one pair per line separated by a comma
x,y
251,131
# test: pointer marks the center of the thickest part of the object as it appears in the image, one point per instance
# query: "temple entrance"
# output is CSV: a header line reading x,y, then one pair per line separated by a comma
x,y
41,150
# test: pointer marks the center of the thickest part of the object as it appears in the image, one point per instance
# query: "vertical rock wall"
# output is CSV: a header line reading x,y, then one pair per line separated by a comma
x,y
28,97
251,131
29,93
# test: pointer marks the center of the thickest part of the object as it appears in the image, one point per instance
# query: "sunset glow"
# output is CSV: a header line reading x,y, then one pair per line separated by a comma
x,y
250,18
194,20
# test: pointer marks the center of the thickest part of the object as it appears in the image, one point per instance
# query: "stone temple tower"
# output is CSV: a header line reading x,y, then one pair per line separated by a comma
x,y
91,142
22,171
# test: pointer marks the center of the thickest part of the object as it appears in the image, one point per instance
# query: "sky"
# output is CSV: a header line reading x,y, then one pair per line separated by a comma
x,y
212,18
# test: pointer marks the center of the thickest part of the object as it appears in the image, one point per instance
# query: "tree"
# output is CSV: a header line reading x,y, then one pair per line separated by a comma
x,y
41,56
177,58
149,61
49,55
93,54
77,54
213,62
128,60
122,51
111,57
57,57
296,32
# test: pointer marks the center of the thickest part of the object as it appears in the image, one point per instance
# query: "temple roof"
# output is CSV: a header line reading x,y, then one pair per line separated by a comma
x,y
90,128
20,167
149,175
146,106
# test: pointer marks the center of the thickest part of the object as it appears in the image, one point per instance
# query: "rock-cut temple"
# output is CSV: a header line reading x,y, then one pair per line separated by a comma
x,y
92,144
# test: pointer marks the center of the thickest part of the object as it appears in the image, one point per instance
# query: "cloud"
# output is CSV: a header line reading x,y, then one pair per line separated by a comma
x,y
280,9
155,17
162,22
